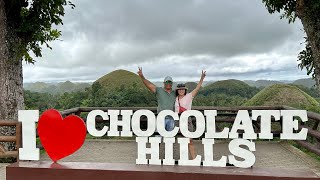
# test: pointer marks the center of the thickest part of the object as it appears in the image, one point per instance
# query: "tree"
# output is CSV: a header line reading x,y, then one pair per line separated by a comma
x,y
25,26
40,101
308,11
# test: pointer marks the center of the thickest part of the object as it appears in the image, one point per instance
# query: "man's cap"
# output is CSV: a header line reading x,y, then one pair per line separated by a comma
x,y
168,78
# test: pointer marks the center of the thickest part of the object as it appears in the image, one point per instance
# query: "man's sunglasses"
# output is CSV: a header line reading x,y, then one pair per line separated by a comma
x,y
168,82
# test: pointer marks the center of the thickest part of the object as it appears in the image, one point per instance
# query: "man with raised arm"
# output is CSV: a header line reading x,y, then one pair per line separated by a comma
x,y
166,97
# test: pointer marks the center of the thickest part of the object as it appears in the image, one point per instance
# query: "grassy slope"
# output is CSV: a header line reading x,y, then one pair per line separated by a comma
x,y
230,87
282,94
120,78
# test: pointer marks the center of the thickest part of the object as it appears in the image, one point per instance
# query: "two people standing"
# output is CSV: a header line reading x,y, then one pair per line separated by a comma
x,y
177,100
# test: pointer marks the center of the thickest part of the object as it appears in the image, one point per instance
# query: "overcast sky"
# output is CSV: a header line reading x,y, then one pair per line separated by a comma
x,y
229,39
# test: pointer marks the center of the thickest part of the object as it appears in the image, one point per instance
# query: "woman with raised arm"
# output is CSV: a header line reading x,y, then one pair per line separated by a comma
x,y
184,102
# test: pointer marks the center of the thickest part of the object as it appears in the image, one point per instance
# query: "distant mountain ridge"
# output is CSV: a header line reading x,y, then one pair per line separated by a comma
x,y
308,82
127,77
55,88
122,88
305,82
262,83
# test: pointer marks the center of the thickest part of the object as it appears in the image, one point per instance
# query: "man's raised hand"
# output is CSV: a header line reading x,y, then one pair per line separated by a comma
x,y
147,83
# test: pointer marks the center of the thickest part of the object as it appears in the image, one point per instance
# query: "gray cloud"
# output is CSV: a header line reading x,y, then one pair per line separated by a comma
x,y
102,35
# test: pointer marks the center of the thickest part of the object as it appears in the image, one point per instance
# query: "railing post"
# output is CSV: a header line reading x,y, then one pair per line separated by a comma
x,y
315,126
18,137
78,113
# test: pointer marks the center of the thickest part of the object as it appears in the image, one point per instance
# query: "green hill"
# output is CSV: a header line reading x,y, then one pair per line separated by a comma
x,y
120,78
282,94
305,82
65,86
313,92
36,87
207,83
229,87
191,86
121,88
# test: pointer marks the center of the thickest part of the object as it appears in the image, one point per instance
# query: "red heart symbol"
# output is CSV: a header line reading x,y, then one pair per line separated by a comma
x,y
61,137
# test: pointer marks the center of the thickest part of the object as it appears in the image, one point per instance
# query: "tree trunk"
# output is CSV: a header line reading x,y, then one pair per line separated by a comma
x,y
11,79
311,24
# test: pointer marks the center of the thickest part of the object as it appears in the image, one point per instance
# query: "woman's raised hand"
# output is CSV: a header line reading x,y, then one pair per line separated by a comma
x,y
195,91
140,72
203,75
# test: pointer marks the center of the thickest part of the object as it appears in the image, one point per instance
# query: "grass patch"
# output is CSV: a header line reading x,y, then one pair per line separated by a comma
x,y
42,151
311,154
88,136
8,160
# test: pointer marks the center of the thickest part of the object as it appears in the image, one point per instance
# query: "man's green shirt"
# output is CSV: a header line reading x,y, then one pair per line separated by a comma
x,y
165,100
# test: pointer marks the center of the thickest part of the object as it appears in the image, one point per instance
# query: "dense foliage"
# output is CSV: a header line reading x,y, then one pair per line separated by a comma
x,y
308,12
95,96
136,96
32,22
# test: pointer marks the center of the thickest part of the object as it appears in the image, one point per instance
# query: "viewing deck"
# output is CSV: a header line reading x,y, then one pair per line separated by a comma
x,y
269,154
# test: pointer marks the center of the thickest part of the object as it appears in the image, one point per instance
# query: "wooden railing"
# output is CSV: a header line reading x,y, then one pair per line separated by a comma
x,y
16,138
313,144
